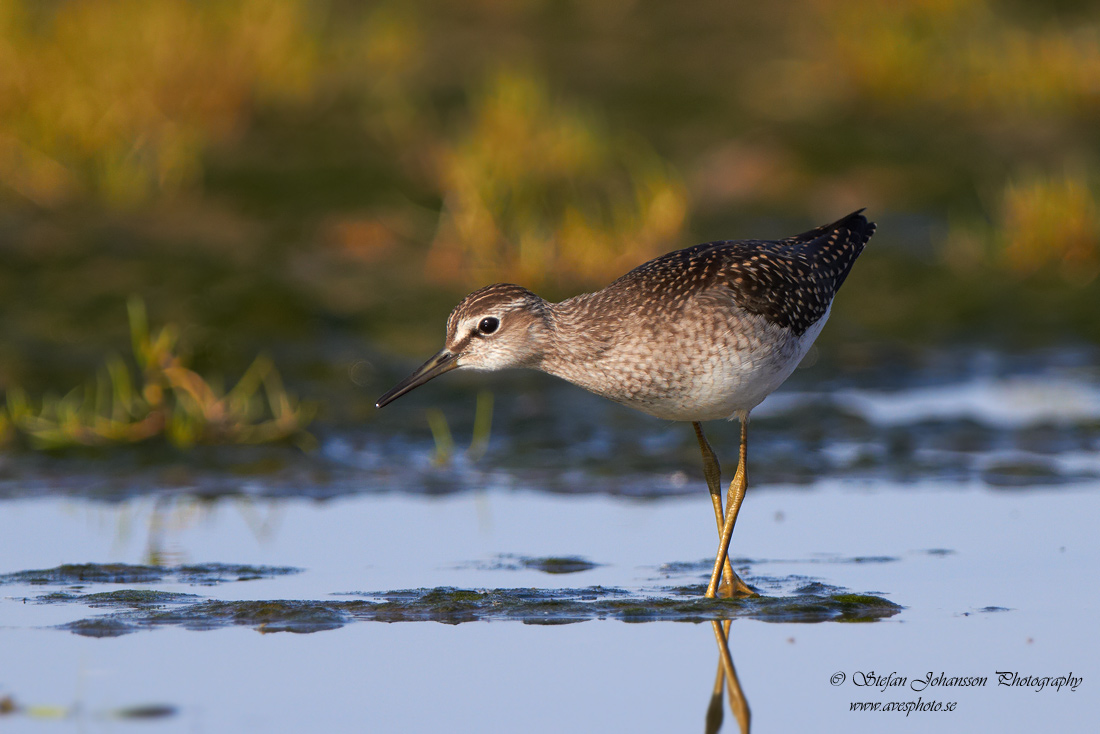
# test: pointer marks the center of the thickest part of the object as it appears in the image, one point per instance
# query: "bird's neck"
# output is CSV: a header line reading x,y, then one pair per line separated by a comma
x,y
580,332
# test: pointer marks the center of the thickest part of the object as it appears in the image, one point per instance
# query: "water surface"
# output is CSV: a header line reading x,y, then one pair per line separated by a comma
x,y
970,504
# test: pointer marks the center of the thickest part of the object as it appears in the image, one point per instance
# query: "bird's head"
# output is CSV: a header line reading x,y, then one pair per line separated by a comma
x,y
497,327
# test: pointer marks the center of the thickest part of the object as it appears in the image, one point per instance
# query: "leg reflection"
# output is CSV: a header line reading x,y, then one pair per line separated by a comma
x,y
727,674
716,709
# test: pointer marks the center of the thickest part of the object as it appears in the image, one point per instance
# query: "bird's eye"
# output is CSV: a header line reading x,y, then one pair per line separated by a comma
x,y
488,325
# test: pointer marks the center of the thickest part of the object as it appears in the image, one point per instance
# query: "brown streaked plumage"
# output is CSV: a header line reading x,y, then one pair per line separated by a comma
x,y
698,334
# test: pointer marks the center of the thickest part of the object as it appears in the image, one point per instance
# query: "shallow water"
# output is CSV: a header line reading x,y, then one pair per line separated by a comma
x,y
969,502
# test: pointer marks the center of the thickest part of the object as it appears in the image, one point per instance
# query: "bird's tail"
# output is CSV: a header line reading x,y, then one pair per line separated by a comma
x,y
834,247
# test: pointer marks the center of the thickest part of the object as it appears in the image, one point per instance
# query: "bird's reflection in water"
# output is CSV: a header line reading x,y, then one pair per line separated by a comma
x,y
726,678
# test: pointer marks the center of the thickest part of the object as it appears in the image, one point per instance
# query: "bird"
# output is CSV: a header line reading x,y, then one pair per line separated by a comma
x,y
700,334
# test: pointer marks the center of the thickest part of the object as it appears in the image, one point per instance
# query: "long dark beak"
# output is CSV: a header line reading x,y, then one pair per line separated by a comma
x,y
443,362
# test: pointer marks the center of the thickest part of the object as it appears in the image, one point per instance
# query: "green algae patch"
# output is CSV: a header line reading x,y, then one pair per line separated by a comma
x,y
450,605
122,573
208,574
265,616
550,606
549,564
106,626
443,604
811,608
145,711
1012,475
57,597
459,597
135,598
816,588
87,573
560,565
454,606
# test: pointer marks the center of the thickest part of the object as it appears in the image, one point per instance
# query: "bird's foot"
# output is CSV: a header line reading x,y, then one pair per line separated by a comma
x,y
735,589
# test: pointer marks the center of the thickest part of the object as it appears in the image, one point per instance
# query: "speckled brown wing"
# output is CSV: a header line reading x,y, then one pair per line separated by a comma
x,y
791,282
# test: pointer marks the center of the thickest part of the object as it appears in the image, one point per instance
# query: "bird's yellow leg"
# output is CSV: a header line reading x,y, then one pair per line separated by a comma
x,y
735,498
712,470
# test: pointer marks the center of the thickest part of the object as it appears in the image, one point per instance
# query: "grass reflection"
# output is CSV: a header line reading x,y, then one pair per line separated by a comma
x,y
482,429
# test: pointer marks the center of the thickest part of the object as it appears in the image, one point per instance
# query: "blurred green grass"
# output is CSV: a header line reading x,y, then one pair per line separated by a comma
x,y
165,400
322,180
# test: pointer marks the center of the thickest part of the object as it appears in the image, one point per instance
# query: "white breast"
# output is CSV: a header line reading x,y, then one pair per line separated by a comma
x,y
736,376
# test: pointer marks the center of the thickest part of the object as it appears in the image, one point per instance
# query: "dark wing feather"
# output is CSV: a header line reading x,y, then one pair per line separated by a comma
x,y
790,282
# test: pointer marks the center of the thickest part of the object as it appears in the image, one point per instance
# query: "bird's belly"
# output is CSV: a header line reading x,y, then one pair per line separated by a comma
x,y
731,376
721,392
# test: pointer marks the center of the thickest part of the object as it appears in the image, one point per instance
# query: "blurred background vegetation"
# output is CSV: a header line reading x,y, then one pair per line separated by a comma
x,y
320,180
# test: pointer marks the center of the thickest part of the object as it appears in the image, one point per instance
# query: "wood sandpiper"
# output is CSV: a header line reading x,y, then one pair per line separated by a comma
x,y
699,334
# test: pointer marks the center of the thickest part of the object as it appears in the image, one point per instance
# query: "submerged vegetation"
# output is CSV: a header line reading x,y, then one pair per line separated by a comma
x,y
77,574
165,399
138,610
